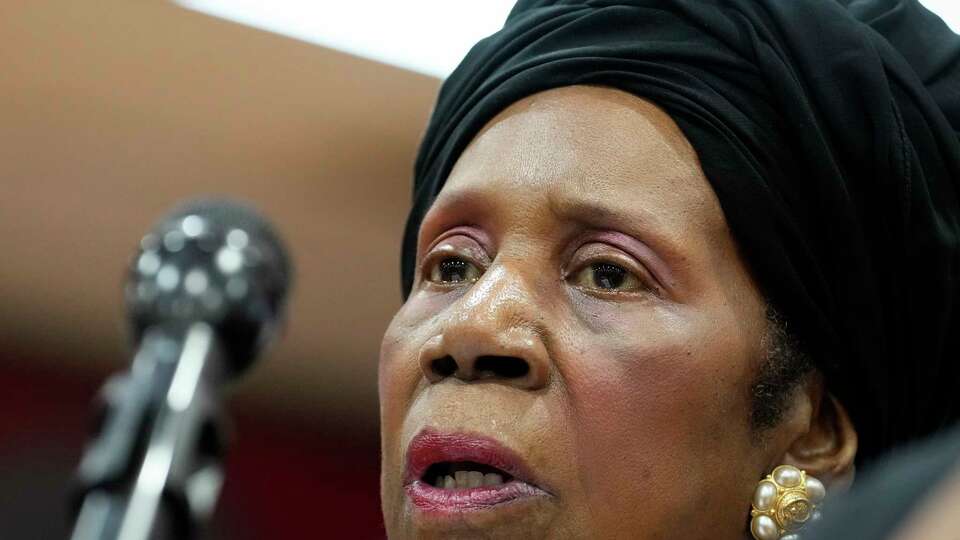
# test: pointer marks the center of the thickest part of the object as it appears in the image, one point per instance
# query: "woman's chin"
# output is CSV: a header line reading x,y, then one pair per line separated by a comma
x,y
514,510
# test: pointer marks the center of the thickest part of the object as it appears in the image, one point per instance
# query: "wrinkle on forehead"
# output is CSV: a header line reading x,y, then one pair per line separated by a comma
x,y
591,141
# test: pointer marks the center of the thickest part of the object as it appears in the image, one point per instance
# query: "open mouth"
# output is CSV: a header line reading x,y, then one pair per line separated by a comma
x,y
464,475
452,473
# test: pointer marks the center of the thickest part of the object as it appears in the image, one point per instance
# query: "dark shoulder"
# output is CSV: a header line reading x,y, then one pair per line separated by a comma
x,y
892,490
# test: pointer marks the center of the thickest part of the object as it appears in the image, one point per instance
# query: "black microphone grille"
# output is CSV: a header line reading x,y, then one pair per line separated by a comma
x,y
229,214
217,261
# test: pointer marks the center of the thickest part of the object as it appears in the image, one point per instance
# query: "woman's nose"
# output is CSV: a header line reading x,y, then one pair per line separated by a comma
x,y
494,333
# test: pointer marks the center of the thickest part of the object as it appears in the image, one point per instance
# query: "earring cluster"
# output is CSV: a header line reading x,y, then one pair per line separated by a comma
x,y
785,501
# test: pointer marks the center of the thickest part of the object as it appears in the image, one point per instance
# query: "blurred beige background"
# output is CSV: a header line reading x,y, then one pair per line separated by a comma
x,y
113,111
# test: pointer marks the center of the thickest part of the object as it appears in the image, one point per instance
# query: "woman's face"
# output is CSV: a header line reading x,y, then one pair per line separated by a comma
x,y
576,356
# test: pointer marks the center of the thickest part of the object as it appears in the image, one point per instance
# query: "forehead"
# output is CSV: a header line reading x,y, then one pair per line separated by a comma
x,y
587,146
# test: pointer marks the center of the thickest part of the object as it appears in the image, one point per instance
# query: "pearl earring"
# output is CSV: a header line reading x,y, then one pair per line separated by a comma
x,y
784,502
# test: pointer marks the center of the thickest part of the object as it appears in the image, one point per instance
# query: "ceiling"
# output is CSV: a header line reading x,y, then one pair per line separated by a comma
x,y
113,111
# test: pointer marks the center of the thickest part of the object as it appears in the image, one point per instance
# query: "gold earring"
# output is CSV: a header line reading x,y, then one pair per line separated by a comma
x,y
785,501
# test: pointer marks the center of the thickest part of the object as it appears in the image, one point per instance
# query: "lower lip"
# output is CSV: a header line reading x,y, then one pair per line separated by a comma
x,y
434,500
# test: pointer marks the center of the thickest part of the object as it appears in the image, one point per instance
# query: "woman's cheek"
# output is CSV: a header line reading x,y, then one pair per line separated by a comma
x,y
398,370
634,358
634,392
623,390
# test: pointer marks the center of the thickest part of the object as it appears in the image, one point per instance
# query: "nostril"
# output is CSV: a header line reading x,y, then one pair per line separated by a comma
x,y
483,367
505,367
444,367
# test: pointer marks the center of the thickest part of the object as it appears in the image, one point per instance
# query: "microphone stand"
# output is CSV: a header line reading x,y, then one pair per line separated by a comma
x,y
155,466
155,470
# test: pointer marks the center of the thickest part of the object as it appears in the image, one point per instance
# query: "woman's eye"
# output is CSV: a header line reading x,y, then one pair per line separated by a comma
x,y
454,270
607,276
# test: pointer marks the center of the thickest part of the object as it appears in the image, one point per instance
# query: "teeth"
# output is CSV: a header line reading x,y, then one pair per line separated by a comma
x,y
492,479
475,479
467,480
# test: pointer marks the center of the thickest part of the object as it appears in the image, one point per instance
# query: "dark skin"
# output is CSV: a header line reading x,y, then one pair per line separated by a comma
x,y
579,234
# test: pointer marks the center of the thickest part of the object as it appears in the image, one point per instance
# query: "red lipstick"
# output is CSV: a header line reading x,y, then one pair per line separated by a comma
x,y
431,455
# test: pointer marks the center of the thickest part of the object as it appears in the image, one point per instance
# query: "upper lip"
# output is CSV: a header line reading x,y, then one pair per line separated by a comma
x,y
429,447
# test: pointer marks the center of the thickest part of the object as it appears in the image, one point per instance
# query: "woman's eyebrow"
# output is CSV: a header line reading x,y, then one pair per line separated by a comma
x,y
585,210
451,209
601,215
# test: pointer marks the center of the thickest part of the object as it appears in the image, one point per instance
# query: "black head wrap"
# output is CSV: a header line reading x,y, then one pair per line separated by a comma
x,y
826,129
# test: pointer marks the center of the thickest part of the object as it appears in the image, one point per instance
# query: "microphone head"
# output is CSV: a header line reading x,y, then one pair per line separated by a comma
x,y
215,261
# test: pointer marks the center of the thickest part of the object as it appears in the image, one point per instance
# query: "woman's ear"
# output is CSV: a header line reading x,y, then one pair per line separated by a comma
x,y
829,446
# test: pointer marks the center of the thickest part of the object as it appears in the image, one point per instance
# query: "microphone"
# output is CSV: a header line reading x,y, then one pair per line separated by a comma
x,y
205,295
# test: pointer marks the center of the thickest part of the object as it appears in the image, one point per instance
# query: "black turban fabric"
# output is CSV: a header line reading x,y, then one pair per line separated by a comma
x,y
828,130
